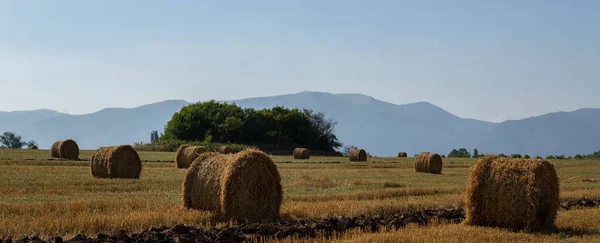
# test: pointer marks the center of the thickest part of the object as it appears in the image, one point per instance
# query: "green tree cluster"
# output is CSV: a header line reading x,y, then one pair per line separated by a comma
x,y
228,123
13,141
460,153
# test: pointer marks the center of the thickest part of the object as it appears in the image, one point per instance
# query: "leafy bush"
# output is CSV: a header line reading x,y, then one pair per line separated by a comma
x,y
526,156
171,145
516,156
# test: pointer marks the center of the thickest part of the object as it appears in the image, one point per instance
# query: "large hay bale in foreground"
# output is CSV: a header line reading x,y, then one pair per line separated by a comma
x,y
67,149
116,162
521,194
402,154
428,163
301,153
186,155
242,187
358,155
225,150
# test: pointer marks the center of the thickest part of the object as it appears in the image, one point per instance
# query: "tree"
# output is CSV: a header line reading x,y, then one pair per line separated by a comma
x,y
578,156
11,140
229,123
460,153
516,156
154,136
475,153
526,156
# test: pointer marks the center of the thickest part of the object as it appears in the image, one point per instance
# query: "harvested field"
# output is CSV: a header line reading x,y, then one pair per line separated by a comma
x,y
49,198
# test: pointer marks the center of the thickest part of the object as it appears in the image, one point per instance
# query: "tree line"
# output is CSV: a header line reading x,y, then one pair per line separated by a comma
x,y
14,141
228,123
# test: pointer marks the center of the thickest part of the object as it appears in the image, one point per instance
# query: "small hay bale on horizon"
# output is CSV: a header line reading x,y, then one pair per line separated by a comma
x,y
243,187
520,194
358,155
66,149
428,163
225,150
186,154
116,162
402,154
33,147
301,153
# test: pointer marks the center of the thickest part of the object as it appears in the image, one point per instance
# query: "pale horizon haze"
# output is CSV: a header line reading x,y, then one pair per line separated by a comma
x,y
475,59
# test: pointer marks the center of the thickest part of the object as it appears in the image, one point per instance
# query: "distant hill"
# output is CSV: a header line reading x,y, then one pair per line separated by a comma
x,y
380,127
109,126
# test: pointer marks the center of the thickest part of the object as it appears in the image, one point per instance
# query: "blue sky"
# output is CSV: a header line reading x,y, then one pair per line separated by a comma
x,y
476,59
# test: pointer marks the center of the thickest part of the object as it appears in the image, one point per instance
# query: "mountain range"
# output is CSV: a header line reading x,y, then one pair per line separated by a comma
x,y
380,127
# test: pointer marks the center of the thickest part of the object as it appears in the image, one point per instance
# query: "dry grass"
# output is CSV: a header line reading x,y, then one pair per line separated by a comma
x,y
49,197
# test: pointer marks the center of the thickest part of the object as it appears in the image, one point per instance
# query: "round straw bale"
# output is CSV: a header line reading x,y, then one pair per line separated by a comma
x,y
301,153
428,163
32,147
242,187
116,162
402,154
358,155
521,194
54,152
225,150
66,149
187,154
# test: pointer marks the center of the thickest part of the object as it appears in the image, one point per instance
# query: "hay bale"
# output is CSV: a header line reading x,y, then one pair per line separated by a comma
x,y
225,150
186,154
32,147
301,153
54,150
521,194
358,155
402,154
428,163
242,187
116,162
67,149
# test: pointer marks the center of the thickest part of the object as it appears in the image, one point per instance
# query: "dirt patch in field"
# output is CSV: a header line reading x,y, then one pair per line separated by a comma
x,y
581,203
305,228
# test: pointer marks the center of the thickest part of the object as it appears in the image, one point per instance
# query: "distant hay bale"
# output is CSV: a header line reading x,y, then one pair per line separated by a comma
x,y
116,162
402,154
186,155
521,194
358,155
225,150
301,153
428,163
32,147
242,187
67,149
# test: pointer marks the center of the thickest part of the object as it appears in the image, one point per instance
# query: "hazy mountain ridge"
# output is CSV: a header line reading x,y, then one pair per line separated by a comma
x,y
380,127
